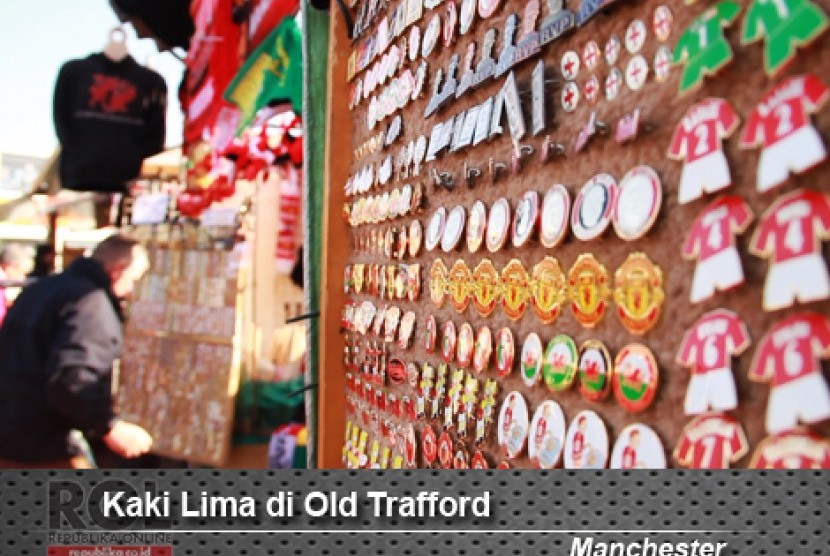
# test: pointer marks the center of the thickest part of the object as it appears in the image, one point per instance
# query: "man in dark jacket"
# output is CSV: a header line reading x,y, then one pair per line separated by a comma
x,y
57,346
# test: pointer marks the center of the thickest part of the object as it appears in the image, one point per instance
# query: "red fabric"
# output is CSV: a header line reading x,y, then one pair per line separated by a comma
x,y
265,16
214,57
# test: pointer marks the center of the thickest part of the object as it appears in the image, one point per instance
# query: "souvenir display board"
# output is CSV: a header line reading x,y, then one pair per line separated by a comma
x,y
618,207
179,369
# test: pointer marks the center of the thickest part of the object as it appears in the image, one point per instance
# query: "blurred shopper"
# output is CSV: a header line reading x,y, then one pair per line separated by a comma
x,y
15,262
58,344
44,261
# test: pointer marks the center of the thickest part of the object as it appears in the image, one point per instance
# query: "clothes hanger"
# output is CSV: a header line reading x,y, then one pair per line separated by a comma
x,y
116,47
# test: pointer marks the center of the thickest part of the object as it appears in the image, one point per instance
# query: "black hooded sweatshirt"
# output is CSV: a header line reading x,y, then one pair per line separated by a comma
x,y
109,116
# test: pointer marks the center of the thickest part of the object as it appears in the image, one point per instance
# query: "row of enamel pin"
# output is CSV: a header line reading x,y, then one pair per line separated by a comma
x,y
632,207
394,242
637,289
394,282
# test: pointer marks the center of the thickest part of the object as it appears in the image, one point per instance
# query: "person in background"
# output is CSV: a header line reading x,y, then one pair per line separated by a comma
x,y
58,344
14,264
44,261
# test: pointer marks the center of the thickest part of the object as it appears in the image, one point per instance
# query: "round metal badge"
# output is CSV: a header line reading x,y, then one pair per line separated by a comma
x,y
559,363
556,208
639,198
483,349
593,207
487,8
498,225
549,289
454,229
431,335
513,425
570,65
505,351
613,83
410,446
476,226
460,459
570,96
662,64
612,50
636,377
591,55
586,444
467,15
416,233
592,89
635,36
638,291
595,370
435,228
414,43
525,218
429,445
445,450
638,447
547,435
433,31
636,72
486,287
466,345
438,282
531,360
449,338
662,22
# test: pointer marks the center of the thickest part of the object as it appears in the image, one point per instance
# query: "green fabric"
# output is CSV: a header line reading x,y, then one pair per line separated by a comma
x,y
273,72
315,51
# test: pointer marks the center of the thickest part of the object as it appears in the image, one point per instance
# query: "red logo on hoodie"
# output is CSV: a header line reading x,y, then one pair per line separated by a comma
x,y
110,94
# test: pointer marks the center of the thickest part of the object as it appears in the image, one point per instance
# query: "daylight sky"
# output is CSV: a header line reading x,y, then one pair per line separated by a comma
x,y
36,38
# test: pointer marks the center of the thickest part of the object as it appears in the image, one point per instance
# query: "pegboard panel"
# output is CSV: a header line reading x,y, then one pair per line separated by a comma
x,y
742,82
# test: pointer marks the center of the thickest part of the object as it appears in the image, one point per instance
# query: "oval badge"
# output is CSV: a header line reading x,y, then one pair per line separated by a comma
x,y
513,425
498,225
593,207
476,226
595,370
636,377
483,349
515,288
639,198
638,292
556,209
505,352
525,218
547,435
531,360
549,288
586,444
588,290
559,363
486,291
438,282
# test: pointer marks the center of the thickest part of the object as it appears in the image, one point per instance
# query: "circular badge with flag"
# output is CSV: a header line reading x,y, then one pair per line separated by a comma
x,y
612,50
570,96
635,36
592,89
531,360
636,72
636,377
595,370
570,65
429,445
559,363
613,83
662,22
662,63
591,55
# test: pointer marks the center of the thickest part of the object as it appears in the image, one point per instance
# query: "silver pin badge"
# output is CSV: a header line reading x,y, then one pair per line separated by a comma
x,y
570,96
570,65
612,50
662,64
613,83
508,51
636,72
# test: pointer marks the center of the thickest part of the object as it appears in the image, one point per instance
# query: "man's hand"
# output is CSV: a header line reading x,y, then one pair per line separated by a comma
x,y
128,440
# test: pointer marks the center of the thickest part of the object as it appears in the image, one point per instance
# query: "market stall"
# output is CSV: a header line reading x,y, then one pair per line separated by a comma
x,y
581,234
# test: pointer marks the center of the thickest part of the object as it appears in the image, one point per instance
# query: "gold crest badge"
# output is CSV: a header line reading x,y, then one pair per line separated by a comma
x,y
515,289
588,290
638,292
549,289
486,287
438,275
459,285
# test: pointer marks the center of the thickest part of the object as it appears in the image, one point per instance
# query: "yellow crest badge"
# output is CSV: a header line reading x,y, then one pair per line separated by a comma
x,y
549,289
588,290
638,292
515,289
